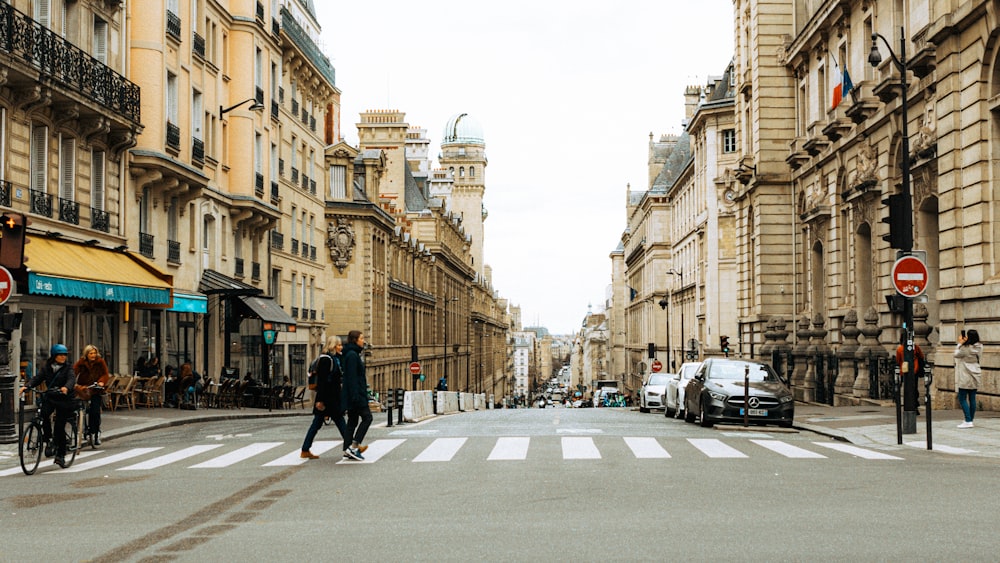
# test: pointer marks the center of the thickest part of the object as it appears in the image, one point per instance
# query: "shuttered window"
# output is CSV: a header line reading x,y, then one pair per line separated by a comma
x,y
39,156
338,182
97,180
101,40
67,168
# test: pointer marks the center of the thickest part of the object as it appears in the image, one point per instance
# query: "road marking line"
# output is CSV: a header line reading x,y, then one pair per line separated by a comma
x,y
715,448
129,454
856,451
295,457
171,458
376,450
510,448
45,463
646,448
442,449
579,448
788,450
237,456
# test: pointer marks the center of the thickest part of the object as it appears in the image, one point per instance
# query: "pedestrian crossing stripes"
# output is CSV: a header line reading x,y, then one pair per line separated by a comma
x,y
443,450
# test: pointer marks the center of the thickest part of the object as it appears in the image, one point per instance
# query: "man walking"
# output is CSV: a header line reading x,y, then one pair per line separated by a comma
x,y
355,395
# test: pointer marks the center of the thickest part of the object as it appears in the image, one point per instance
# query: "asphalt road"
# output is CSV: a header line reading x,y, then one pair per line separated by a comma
x,y
557,484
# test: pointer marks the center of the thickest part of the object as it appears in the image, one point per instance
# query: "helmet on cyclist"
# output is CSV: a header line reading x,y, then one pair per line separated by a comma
x,y
58,349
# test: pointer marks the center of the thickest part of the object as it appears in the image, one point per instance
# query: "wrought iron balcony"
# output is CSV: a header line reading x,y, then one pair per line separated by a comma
x,y
260,11
174,251
41,203
275,194
146,245
275,27
281,94
274,109
258,185
100,220
312,314
69,211
305,182
295,246
295,106
173,136
295,175
255,271
281,167
198,45
238,271
312,123
198,151
312,187
312,253
259,95
295,312
173,25
305,250
66,64
277,240
300,38
5,193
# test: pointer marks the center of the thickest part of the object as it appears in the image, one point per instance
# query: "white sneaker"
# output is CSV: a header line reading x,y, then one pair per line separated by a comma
x,y
966,425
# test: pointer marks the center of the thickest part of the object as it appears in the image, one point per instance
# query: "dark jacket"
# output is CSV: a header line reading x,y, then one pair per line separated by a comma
x,y
88,373
329,375
55,378
355,388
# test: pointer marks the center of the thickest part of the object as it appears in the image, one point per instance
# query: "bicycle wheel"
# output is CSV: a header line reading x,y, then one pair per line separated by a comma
x,y
72,441
30,448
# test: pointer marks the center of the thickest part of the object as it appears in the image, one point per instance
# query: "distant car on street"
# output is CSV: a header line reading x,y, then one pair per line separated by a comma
x,y
716,394
651,393
673,398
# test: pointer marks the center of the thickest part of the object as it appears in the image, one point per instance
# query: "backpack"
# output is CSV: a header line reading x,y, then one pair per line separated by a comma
x,y
312,382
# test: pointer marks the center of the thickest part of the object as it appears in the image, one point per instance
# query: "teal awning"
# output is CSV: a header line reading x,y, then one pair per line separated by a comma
x,y
186,303
41,284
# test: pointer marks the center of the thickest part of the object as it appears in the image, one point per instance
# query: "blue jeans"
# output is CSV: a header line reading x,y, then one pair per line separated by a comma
x,y
317,423
967,400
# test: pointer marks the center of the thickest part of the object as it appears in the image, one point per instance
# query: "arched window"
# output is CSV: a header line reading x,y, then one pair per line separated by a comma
x,y
472,171
461,172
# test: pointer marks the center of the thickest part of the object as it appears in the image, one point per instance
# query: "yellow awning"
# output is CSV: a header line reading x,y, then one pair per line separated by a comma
x,y
69,269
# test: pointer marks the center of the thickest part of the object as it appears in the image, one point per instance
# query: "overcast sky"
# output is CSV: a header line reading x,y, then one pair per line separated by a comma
x,y
567,93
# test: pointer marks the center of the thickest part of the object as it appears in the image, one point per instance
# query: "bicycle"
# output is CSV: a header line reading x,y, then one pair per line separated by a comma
x,y
31,444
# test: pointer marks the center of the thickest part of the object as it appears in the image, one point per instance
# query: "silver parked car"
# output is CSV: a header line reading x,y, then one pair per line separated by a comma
x,y
673,398
651,394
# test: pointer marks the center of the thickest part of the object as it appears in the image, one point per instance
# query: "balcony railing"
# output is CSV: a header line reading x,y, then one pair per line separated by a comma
x,y
312,187
198,151
312,253
146,245
312,123
69,211
238,271
260,11
259,95
312,314
100,220
173,25
275,26
255,271
305,250
275,194
198,45
295,312
295,175
65,63
258,185
277,240
295,106
281,167
305,182
274,109
41,203
305,116
295,246
308,46
173,136
5,193
174,251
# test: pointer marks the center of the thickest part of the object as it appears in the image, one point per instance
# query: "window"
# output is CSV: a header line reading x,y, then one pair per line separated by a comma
x,y
39,156
295,302
197,115
43,13
171,98
258,72
274,162
258,154
472,172
276,285
67,168
338,182
97,180
101,40
729,140
3,142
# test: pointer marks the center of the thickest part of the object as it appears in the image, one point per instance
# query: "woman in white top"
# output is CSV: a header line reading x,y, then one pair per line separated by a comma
x,y
968,373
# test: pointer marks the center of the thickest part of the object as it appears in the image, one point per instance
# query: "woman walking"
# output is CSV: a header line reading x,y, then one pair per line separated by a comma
x,y
90,369
359,416
329,375
968,373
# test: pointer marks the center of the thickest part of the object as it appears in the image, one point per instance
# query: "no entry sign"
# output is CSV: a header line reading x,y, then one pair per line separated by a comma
x,y
657,366
6,285
909,276
415,368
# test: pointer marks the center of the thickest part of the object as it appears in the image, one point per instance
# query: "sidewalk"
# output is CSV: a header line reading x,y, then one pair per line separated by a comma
x,y
866,425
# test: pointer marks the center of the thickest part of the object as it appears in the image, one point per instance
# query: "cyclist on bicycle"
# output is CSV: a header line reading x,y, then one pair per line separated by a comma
x,y
91,369
58,376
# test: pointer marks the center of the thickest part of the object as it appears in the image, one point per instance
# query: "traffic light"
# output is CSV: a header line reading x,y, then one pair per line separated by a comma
x,y
900,223
12,240
724,345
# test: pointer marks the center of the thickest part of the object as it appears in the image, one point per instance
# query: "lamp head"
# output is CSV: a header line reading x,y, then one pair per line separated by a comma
x,y
874,57
663,303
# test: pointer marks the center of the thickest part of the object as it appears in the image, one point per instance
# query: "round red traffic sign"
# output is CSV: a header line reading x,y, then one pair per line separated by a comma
x,y
415,368
6,285
909,276
657,366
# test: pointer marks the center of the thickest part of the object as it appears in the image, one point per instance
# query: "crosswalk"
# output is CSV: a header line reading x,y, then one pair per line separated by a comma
x,y
443,450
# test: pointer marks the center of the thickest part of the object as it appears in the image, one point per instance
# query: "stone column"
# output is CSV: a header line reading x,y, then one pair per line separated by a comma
x,y
869,348
816,353
846,355
804,391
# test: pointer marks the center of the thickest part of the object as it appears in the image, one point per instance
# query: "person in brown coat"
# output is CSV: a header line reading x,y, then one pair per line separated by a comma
x,y
91,369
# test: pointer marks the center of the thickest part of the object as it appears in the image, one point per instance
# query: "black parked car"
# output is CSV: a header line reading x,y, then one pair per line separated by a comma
x,y
716,394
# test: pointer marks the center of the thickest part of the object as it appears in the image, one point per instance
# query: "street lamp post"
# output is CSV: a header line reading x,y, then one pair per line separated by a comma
x,y
680,273
446,301
905,228
413,314
664,303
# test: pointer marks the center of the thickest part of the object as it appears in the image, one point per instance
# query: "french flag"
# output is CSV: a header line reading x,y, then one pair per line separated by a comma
x,y
842,84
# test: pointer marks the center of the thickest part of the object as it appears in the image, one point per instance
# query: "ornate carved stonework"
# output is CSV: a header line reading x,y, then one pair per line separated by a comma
x,y
867,164
340,241
925,142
